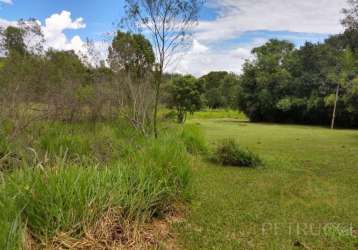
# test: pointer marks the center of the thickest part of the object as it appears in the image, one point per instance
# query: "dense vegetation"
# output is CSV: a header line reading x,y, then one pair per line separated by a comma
x,y
284,84
221,89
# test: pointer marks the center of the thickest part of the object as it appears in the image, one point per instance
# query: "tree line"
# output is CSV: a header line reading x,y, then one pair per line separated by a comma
x,y
38,83
313,84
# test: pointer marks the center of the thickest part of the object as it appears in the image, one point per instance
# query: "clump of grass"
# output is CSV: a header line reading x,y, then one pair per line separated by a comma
x,y
70,198
229,153
11,229
103,143
194,139
58,138
9,158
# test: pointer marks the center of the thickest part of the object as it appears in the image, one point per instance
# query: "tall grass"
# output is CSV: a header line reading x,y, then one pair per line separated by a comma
x,y
194,139
11,226
141,183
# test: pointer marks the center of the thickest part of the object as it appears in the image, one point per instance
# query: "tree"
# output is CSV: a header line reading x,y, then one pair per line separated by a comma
x,y
347,66
131,57
265,81
351,15
19,71
131,53
24,38
185,95
220,89
303,85
14,40
168,22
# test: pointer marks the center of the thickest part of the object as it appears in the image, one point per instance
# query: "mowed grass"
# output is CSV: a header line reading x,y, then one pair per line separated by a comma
x,y
304,197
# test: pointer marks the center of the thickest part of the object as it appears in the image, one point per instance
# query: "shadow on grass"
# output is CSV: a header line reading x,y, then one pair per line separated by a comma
x,y
240,122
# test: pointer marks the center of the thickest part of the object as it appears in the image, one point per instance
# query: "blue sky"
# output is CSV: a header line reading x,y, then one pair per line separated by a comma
x,y
227,31
99,15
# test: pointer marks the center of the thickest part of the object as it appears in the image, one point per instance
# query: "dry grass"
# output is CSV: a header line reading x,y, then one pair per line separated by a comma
x,y
112,231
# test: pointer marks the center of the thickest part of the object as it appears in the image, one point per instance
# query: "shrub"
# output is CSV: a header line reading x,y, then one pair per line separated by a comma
x,y
194,139
230,153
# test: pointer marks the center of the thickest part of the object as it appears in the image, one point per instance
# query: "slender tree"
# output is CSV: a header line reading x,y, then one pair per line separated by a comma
x,y
131,58
169,23
350,20
347,65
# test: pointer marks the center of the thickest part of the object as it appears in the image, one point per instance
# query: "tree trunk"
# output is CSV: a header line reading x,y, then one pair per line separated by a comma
x,y
156,103
335,107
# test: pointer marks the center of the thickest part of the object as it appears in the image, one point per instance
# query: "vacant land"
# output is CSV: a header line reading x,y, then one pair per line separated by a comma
x,y
305,197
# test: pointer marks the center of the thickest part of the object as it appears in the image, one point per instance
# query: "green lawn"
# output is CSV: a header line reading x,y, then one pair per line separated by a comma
x,y
305,197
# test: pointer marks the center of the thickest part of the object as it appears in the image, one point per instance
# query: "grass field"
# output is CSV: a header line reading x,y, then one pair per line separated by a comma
x,y
304,197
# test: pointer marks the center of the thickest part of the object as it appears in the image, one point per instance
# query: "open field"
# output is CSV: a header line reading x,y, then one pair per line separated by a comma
x,y
305,197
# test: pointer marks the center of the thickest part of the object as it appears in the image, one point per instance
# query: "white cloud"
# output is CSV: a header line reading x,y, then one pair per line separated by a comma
x,y
54,28
53,31
6,1
235,17
200,59
238,16
5,23
54,36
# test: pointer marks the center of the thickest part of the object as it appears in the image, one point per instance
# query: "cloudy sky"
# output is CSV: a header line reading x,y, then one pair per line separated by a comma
x,y
223,39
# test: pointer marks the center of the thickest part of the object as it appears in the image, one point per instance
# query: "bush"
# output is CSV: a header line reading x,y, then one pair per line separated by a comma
x,y
230,153
194,139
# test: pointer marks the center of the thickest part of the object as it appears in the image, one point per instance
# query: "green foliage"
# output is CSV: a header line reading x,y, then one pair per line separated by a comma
x,y
284,84
229,153
14,40
220,89
185,95
194,139
132,53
